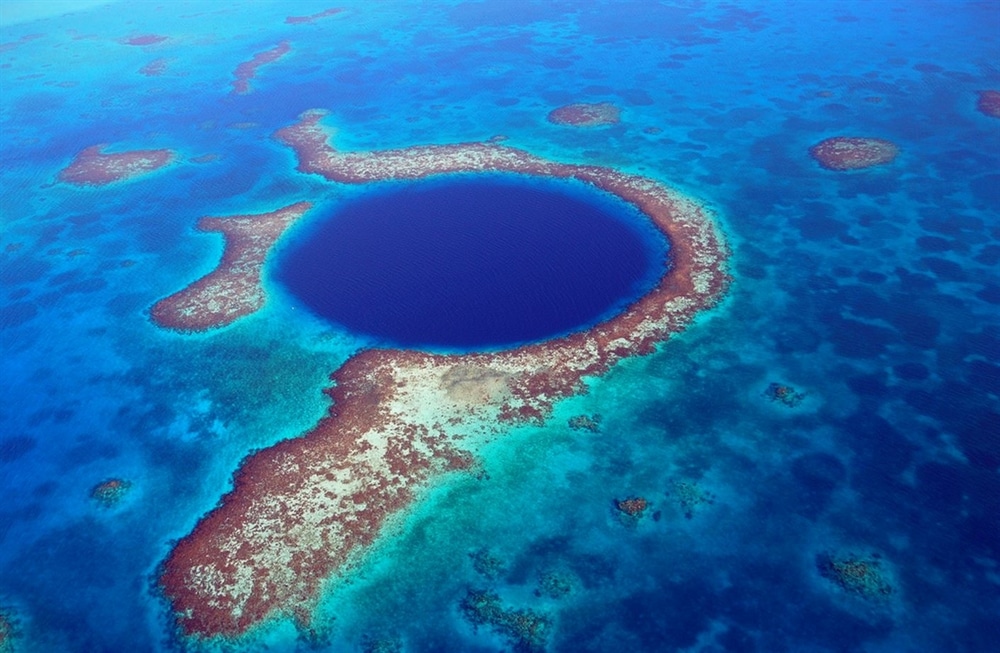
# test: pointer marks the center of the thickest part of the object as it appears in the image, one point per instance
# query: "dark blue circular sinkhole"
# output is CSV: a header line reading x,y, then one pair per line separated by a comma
x,y
473,262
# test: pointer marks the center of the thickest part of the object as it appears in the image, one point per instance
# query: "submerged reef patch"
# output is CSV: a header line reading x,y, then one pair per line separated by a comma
x,y
487,565
689,497
8,631
526,629
92,167
784,394
586,115
860,575
155,68
111,492
632,507
555,584
590,423
850,153
303,511
989,103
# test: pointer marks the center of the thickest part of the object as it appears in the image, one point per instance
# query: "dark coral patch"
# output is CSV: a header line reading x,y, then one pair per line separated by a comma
x,y
944,269
983,374
871,277
818,472
940,485
15,447
911,371
13,315
980,439
818,223
933,244
636,97
990,294
868,385
989,255
986,189
916,328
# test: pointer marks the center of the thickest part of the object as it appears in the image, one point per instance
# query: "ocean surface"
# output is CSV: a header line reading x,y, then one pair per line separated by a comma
x,y
818,456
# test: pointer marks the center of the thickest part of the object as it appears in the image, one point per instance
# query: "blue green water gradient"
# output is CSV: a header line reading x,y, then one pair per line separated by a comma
x,y
873,295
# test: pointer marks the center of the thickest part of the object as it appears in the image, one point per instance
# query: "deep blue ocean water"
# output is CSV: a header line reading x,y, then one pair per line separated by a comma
x,y
468,263
874,294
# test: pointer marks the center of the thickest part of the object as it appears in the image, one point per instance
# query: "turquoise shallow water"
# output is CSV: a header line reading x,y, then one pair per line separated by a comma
x,y
873,294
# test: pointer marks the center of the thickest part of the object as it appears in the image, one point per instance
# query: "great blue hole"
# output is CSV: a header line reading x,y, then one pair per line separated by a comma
x,y
472,262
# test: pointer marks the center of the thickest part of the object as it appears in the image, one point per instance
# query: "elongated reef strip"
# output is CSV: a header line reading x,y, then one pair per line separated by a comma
x,y
144,39
247,70
299,20
232,290
155,68
91,167
302,512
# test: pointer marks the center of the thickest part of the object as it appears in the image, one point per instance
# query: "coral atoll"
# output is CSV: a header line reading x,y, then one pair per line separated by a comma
x,y
300,511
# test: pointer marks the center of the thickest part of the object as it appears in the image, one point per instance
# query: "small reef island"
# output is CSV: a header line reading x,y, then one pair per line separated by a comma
x,y
303,511
586,115
851,153
93,167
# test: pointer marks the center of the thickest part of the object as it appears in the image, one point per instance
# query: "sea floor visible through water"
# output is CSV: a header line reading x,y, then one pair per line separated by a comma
x,y
812,465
